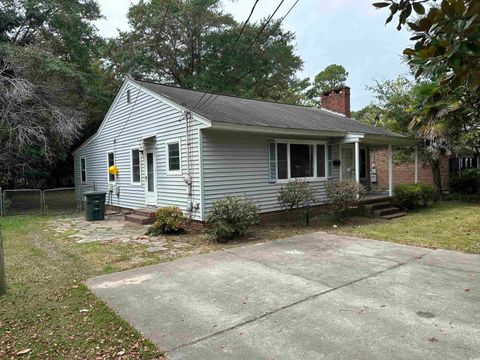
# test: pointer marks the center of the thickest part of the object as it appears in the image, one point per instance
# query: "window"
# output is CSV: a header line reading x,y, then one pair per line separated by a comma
x,y
320,160
363,163
301,160
83,169
329,160
129,97
297,160
282,154
135,166
111,162
173,157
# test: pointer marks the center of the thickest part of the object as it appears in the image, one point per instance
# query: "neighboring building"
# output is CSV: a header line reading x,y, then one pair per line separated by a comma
x,y
180,147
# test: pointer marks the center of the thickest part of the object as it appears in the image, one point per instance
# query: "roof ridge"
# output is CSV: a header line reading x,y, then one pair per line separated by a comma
x,y
231,96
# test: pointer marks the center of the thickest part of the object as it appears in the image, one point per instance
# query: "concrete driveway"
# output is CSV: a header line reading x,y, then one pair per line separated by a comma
x,y
318,296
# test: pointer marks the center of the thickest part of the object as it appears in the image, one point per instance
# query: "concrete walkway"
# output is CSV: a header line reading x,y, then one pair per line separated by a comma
x,y
318,296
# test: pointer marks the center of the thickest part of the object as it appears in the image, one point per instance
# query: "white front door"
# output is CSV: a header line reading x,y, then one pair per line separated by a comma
x,y
348,163
150,175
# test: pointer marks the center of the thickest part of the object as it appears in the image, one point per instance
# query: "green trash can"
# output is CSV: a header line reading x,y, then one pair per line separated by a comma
x,y
95,205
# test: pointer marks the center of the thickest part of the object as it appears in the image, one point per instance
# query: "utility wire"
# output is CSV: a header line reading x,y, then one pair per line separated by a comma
x,y
261,49
231,48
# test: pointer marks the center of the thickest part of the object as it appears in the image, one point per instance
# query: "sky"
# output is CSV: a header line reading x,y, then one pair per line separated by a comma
x,y
346,32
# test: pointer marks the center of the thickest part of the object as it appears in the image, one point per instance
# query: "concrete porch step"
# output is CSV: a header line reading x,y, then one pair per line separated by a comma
x,y
394,216
377,206
139,219
386,211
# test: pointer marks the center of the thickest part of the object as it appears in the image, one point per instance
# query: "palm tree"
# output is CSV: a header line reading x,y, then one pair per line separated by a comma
x,y
431,124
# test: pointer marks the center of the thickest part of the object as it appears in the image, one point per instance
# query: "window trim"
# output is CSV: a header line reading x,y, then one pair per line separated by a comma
x,y
108,167
84,158
167,157
302,142
140,152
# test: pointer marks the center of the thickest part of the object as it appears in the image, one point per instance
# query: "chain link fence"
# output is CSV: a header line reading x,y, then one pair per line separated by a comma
x,y
36,201
60,200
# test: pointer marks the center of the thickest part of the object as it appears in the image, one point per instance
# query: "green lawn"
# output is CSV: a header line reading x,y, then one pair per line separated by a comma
x,y
48,310
447,225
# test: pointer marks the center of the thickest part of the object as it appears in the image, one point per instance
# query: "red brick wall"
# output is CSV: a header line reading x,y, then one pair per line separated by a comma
x,y
405,173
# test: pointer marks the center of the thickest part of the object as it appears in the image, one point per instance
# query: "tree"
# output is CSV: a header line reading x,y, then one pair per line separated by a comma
x,y
190,44
331,78
431,115
64,29
371,115
39,120
446,39
464,126
392,108
56,40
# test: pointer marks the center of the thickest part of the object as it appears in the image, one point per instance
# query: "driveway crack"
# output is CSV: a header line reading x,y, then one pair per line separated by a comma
x,y
279,270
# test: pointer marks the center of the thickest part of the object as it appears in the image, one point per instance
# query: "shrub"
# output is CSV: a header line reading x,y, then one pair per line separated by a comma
x,y
414,196
169,220
468,183
231,217
343,195
296,194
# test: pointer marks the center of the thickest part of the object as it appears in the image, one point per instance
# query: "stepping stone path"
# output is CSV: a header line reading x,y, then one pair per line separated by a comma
x,y
115,229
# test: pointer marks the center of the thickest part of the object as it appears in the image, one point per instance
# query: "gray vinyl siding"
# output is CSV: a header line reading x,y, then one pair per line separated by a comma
x,y
150,117
237,164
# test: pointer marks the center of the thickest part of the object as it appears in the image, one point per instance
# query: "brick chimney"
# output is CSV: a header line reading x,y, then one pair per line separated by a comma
x,y
337,100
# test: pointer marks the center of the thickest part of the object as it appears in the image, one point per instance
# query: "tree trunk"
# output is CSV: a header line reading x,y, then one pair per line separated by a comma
x,y
3,284
437,177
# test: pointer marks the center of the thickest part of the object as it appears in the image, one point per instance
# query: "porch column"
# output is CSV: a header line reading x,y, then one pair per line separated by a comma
x,y
357,161
416,164
390,171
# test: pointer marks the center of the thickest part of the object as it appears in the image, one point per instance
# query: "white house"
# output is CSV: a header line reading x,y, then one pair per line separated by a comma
x,y
180,147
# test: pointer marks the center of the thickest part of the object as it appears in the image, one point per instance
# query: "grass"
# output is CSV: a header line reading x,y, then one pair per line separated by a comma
x,y
447,225
48,309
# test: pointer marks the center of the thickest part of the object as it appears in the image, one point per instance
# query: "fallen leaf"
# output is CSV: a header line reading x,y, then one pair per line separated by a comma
x,y
24,351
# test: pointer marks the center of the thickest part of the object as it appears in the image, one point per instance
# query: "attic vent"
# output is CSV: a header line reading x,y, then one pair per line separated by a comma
x,y
129,99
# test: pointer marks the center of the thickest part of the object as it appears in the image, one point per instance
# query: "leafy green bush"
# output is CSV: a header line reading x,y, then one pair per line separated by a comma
x,y
343,196
296,194
414,196
231,217
468,183
169,220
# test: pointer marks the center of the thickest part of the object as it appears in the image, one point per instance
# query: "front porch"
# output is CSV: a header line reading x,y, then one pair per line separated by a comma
x,y
354,153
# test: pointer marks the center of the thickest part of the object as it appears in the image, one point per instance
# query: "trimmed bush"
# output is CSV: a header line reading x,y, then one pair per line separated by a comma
x,y
343,196
231,217
414,196
169,220
296,194
468,183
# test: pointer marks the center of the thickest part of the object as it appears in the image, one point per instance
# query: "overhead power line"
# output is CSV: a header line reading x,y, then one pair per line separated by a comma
x,y
235,66
215,96
231,48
